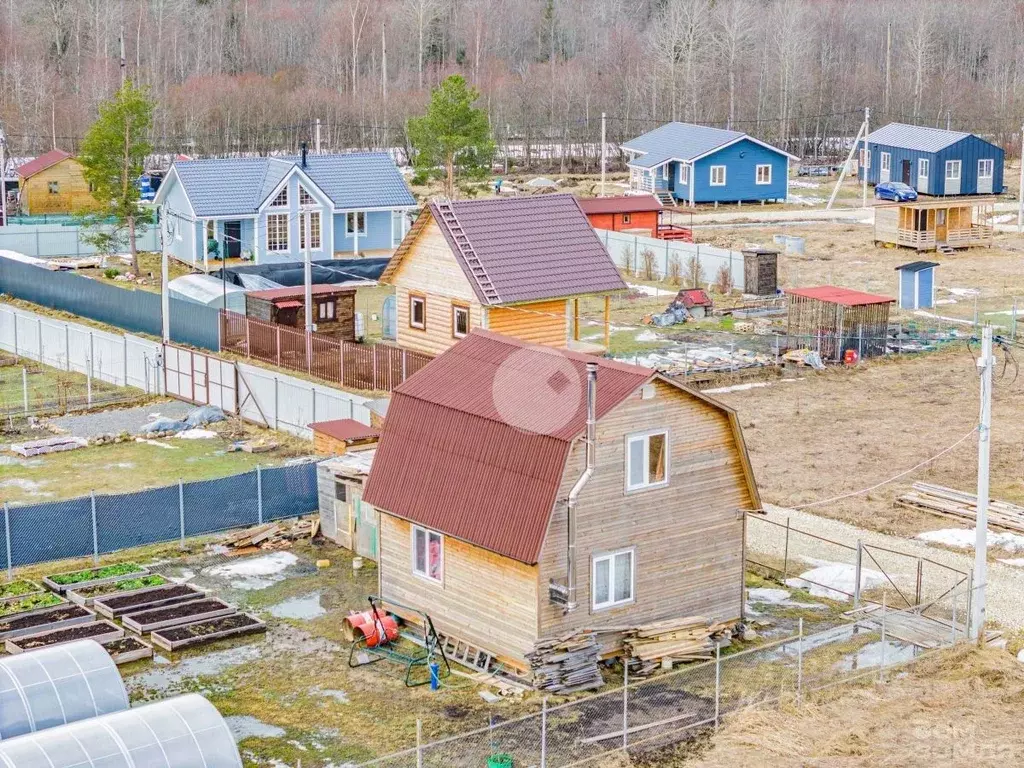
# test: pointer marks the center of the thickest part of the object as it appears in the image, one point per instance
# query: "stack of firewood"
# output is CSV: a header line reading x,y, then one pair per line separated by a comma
x,y
685,639
270,536
566,664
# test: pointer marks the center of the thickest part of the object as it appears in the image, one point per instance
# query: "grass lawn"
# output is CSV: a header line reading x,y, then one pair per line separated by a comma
x,y
51,390
149,266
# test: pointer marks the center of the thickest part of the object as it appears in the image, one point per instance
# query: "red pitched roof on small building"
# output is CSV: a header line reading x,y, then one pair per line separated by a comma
x,y
620,204
298,292
345,429
834,295
475,443
693,297
42,162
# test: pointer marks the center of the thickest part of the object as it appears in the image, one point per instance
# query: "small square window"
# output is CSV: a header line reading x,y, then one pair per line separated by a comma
x,y
626,218
460,321
427,554
418,312
717,175
53,187
326,310
612,579
646,460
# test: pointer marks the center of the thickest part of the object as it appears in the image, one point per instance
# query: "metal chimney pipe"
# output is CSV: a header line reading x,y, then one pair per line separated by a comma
x,y
574,494
305,151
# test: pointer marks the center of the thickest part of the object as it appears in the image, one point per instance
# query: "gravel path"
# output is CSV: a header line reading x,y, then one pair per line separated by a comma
x,y
120,420
1005,582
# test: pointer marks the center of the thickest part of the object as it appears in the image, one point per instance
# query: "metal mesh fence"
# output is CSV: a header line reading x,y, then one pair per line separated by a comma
x,y
32,390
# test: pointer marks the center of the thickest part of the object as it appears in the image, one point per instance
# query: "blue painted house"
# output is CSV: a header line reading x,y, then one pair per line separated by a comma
x,y
254,207
681,162
934,161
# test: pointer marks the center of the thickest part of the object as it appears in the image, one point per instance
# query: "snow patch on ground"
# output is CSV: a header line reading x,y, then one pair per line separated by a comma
x,y
1017,562
963,538
767,595
962,292
255,572
157,443
943,302
806,199
647,336
933,316
835,581
196,434
31,487
737,387
804,184
649,290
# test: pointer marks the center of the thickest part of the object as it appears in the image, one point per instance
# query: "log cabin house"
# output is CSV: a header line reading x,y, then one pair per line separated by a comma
x,y
517,266
54,183
526,492
334,309
936,224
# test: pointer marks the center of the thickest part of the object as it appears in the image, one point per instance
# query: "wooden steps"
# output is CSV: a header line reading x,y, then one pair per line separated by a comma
x,y
945,249
666,199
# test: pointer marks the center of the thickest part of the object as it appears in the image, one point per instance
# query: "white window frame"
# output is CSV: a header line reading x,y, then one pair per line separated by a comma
x,y
610,558
757,174
315,231
924,168
991,168
280,199
684,174
457,309
886,162
321,310
711,176
413,298
283,245
865,159
306,199
425,574
348,223
646,485
950,166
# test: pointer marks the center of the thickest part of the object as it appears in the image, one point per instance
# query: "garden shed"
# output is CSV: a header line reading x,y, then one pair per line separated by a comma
x,y
334,309
831,320
917,285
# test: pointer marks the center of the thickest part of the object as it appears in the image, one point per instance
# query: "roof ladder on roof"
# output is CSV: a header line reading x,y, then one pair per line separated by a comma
x,y
444,207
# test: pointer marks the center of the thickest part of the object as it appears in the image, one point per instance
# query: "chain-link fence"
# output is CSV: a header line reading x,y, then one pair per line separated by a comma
x,y
101,523
672,707
35,390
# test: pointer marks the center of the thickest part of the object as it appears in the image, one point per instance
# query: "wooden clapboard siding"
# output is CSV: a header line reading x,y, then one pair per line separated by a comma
x,y
485,598
539,322
688,536
73,190
429,269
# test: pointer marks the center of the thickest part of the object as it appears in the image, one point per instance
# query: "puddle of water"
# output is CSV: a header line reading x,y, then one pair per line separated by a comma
x,y
303,607
871,655
168,675
255,573
244,726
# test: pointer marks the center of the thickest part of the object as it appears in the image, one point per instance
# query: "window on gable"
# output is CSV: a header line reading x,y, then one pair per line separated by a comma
x,y
427,553
53,187
281,201
314,230
717,175
764,174
304,197
354,219
647,460
277,232
418,312
612,579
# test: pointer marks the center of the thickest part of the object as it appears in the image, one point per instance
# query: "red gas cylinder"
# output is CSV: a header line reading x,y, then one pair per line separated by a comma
x,y
850,358
352,623
379,629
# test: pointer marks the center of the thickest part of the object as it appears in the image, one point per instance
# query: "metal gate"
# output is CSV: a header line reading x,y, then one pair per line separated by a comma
x,y
199,378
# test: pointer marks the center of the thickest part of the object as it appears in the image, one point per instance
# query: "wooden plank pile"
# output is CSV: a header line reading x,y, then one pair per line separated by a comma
x,y
950,502
567,664
689,638
270,536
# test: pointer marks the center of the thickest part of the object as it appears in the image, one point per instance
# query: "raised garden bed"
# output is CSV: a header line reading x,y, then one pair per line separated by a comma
x,y
90,577
113,606
45,619
100,631
31,602
172,615
128,649
202,632
86,595
16,590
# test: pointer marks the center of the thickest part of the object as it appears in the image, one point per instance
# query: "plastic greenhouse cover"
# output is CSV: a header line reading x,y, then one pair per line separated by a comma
x,y
183,732
54,686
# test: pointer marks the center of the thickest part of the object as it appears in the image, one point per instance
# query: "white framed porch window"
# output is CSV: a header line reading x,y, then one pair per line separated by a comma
x,y
647,463
684,173
314,230
612,579
953,170
427,554
886,161
355,223
764,174
986,168
277,232
923,169
717,175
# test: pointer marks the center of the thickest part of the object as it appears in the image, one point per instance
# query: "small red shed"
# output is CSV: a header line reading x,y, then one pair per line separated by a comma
x,y
637,214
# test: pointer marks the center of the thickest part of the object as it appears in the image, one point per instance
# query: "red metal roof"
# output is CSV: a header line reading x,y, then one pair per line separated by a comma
x,y
693,297
835,295
42,162
475,443
344,429
532,248
298,291
621,204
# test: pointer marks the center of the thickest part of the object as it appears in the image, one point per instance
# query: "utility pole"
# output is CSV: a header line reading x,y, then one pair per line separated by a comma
x,y
1020,191
307,279
603,150
842,171
165,291
985,365
3,178
384,61
867,157
888,68
120,40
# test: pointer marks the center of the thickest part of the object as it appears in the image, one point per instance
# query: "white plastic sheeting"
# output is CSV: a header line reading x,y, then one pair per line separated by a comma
x,y
183,732
208,291
55,686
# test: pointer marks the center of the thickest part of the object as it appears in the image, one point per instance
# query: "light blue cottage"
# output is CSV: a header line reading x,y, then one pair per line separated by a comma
x,y
254,207
698,164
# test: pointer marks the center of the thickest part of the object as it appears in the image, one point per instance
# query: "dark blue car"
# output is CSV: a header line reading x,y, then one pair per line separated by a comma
x,y
896,191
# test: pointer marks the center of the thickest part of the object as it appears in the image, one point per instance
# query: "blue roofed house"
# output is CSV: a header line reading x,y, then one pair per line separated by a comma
x,y
934,161
252,207
697,164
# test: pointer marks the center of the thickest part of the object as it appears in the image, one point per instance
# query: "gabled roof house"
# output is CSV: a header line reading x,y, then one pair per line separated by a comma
x,y
254,207
54,182
686,163
525,492
517,266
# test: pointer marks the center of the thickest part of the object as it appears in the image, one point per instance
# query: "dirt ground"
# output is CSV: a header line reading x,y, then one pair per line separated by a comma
x,y
957,708
829,433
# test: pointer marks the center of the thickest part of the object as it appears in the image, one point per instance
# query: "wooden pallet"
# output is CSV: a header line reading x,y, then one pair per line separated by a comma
x,y
950,502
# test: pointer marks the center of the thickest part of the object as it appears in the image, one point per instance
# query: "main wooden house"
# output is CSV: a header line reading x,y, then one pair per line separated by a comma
x,y
54,183
517,266
527,492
